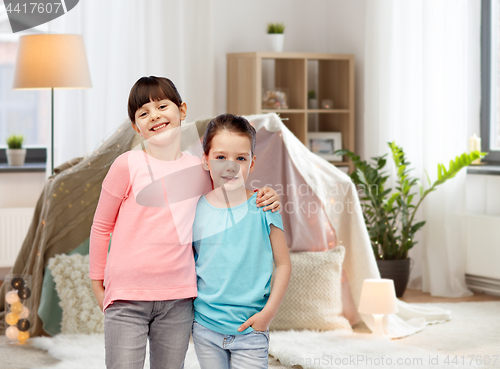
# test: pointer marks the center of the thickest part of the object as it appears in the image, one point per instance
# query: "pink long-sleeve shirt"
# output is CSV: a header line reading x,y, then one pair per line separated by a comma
x,y
149,206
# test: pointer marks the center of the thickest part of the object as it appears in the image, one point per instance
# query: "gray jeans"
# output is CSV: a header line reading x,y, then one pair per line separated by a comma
x,y
128,325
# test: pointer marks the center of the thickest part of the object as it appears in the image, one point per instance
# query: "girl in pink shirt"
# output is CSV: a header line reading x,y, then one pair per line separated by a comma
x,y
147,282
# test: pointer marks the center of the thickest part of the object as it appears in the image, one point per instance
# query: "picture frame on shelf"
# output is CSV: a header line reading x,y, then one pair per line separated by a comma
x,y
325,144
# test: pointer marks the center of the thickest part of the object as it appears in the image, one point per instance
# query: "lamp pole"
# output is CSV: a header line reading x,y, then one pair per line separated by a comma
x,y
52,131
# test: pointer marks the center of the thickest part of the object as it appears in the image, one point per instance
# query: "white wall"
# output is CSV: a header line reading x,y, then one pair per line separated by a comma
x,y
323,26
346,35
241,26
20,190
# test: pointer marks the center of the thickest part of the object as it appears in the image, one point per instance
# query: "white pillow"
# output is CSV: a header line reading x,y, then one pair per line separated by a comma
x,y
81,313
314,298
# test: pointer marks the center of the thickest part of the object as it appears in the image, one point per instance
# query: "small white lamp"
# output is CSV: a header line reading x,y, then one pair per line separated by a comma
x,y
378,297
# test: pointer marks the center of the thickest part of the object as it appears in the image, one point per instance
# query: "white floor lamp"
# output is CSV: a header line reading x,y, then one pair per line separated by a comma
x,y
51,61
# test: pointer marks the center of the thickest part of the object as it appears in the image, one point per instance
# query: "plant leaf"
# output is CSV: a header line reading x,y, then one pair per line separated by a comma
x,y
428,179
390,202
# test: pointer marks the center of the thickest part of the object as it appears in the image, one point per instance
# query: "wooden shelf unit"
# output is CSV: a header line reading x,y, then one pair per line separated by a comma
x,y
335,81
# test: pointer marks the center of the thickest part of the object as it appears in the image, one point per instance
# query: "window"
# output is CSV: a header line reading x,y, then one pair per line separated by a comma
x,y
490,79
25,112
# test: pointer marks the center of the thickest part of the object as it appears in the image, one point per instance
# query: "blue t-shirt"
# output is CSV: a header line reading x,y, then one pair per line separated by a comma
x,y
234,263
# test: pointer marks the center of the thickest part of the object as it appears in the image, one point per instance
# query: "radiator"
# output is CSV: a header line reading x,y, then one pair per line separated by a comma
x,y
490,286
14,225
483,246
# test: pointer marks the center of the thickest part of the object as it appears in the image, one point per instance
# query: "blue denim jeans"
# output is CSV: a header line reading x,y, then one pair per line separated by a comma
x,y
129,324
221,351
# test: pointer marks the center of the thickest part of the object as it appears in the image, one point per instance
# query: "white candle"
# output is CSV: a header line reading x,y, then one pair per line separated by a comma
x,y
475,145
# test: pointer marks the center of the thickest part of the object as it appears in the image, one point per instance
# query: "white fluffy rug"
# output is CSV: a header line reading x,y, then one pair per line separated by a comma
x,y
469,340
342,349
308,349
473,330
80,351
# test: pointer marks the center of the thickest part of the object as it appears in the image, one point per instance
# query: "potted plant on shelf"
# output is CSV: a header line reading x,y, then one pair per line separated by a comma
x,y
15,152
276,36
312,102
390,215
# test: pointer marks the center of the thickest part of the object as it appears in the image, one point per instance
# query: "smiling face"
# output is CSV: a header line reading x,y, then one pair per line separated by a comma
x,y
229,160
159,116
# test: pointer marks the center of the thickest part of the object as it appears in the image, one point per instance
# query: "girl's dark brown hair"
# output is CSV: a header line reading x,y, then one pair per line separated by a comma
x,y
151,88
231,123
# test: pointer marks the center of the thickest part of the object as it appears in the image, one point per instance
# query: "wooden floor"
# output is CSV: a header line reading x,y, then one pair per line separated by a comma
x,y
417,296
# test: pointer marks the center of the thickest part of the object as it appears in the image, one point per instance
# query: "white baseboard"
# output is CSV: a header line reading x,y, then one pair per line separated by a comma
x,y
489,286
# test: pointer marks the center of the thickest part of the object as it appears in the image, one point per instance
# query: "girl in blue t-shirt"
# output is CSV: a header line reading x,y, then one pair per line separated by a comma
x,y
236,244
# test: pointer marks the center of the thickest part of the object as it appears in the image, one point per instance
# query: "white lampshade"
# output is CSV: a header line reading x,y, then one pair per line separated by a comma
x,y
378,296
51,61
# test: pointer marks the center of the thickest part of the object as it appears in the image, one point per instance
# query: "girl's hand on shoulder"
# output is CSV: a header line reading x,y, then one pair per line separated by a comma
x,y
259,322
268,197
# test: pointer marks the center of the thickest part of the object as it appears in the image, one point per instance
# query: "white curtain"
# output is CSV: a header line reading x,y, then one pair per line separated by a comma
x,y
422,90
125,40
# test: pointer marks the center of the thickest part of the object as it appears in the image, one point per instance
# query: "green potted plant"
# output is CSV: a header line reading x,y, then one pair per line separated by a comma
x,y
15,152
390,214
276,36
312,102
